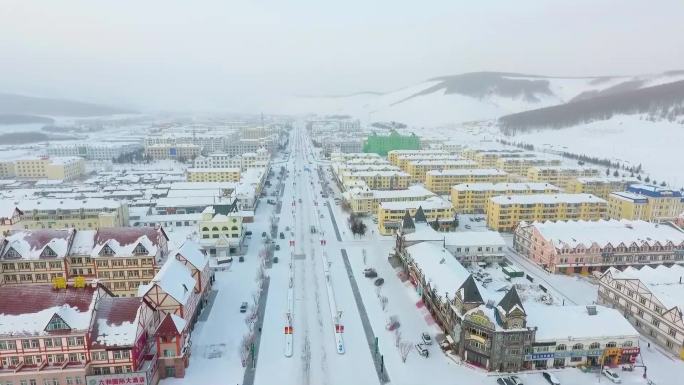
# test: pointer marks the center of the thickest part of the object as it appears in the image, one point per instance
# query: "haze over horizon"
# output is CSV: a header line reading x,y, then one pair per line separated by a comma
x,y
246,56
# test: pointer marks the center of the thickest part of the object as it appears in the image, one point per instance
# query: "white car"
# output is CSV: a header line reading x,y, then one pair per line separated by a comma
x,y
612,375
553,380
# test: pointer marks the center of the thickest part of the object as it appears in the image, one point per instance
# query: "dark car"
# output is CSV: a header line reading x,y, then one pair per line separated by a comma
x,y
243,307
275,259
241,259
248,232
282,235
379,282
277,247
370,273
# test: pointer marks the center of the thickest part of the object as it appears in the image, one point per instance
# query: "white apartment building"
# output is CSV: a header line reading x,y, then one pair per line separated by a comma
x,y
94,151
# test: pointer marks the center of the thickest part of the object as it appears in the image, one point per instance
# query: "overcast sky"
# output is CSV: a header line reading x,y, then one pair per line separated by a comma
x,y
242,56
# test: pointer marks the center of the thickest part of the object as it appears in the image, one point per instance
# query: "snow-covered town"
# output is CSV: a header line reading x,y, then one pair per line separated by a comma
x,y
314,193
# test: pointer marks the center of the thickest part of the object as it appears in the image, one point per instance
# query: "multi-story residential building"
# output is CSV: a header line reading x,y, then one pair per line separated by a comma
x,y
474,197
586,246
592,336
180,152
238,147
560,176
646,202
504,212
471,153
221,230
94,151
178,293
361,157
601,186
48,213
213,174
403,160
651,299
366,201
382,144
520,165
472,247
489,159
52,168
394,155
378,180
440,181
206,141
434,209
7,169
419,168
259,159
120,258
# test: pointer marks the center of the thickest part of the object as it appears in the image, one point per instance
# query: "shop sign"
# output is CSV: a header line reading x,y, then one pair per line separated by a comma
x,y
630,350
579,353
539,356
134,378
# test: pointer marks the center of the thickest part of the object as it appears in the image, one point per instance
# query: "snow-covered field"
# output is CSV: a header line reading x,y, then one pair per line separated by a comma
x,y
629,140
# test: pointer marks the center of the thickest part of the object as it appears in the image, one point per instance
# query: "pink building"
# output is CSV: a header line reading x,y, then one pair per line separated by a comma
x,y
586,246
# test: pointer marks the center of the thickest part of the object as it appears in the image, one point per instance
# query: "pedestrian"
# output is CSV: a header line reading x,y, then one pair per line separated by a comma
x,y
259,329
649,345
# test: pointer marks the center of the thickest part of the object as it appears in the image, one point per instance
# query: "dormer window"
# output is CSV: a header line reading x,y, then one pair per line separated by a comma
x,y
11,253
139,250
48,252
106,250
57,323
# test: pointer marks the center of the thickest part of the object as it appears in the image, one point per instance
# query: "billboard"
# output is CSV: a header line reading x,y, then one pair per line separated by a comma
x,y
133,378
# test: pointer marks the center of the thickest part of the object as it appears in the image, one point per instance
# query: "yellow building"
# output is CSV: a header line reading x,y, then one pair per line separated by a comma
x,y
180,152
57,168
393,156
341,157
473,197
50,213
221,231
7,169
366,201
504,212
520,166
378,180
440,181
559,175
645,202
403,160
418,168
390,214
213,174
602,187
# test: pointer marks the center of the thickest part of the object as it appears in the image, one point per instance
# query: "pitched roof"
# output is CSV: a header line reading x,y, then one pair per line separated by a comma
x,y
511,300
192,252
175,279
31,244
115,322
123,240
27,309
407,221
469,291
420,215
171,325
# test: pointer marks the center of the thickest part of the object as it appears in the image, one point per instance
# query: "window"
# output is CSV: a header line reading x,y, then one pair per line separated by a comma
x,y
106,250
627,344
655,322
611,344
673,332
140,249
57,323
577,347
595,345
575,359
561,348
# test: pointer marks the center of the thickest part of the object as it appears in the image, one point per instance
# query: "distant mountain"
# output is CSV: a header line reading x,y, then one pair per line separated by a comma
x,y
23,119
664,102
29,105
472,96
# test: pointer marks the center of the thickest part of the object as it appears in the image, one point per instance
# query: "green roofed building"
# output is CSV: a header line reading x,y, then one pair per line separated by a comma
x,y
382,144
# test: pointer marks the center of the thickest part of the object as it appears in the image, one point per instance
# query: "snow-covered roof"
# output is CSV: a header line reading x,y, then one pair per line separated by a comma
x,y
604,232
215,169
488,186
7,208
175,279
67,204
606,179
546,199
439,267
473,238
123,241
179,322
467,171
192,251
27,309
442,162
664,282
361,174
411,192
570,323
115,322
32,244
431,203
567,168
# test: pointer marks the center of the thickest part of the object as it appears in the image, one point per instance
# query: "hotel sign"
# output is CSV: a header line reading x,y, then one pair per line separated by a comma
x,y
579,353
539,356
133,378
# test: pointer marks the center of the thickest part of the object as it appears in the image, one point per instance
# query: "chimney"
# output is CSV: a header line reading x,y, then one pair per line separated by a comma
x,y
591,309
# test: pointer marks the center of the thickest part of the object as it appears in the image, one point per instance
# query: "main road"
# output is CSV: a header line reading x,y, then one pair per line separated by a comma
x,y
310,295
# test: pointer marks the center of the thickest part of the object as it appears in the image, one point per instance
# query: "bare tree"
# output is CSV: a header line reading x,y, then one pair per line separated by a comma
x,y
404,350
383,302
255,297
397,337
245,347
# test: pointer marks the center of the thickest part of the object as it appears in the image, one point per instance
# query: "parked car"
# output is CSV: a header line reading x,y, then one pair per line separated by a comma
x,y
282,235
612,375
243,307
241,259
275,259
420,348
467,226
379,282
427,340
370,273
263,235
504,381
277,247
248,233
551,378
515,380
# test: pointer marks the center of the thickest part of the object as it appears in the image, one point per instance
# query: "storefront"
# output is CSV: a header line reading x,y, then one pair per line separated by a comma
x,y
538,360
629,355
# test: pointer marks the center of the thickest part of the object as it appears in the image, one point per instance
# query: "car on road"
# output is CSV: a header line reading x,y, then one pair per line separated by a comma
x,y
322,216
612,375
243,307
427,340
503,381
241,259
282,235
379,282
467,227
263,235
277,247
422,350
515,380
275,259
370,273
553,380
248,233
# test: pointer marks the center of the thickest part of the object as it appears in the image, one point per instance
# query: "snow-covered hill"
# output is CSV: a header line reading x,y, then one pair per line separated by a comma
x,y
471,96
